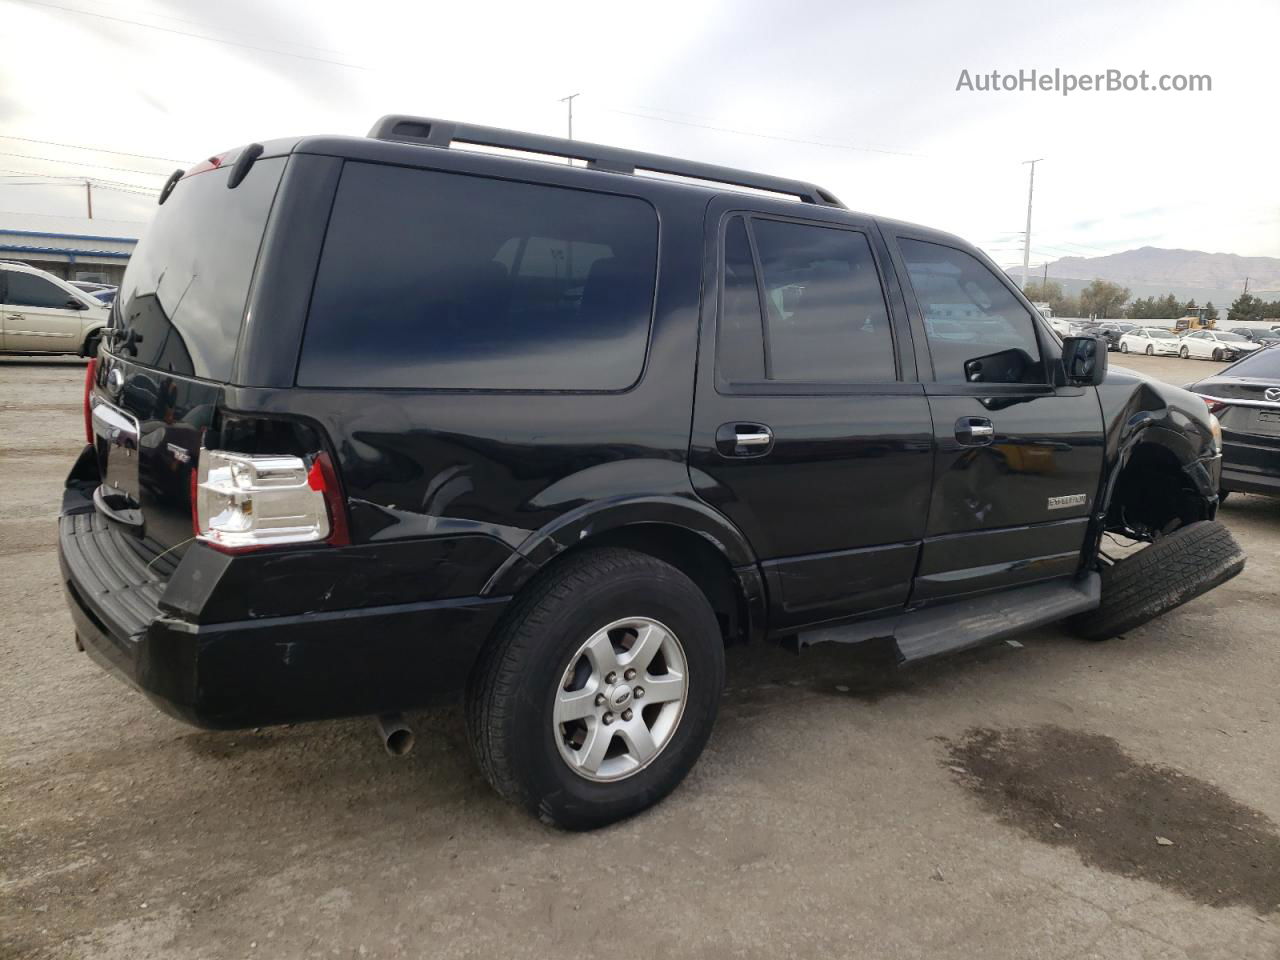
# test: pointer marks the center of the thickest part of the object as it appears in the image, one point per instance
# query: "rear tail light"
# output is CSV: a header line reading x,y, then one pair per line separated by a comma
x,y
1215,406
90,372
244,502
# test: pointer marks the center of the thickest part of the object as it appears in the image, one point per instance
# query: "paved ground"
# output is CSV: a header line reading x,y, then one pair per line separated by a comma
x,y
1001,804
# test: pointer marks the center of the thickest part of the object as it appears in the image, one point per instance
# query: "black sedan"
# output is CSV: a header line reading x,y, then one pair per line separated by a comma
x,y
1245,397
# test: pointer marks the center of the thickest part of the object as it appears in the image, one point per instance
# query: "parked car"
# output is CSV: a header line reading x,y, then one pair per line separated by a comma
x,y
90,286
1214,345
511,434
1113,330
41,313
1150,340
1262,338
1246,399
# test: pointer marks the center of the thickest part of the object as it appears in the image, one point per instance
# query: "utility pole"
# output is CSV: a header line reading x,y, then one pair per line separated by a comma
x,y
569,102
1026,241
1045,283
88,197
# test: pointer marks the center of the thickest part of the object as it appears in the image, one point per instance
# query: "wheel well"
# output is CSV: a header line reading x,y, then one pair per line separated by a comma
x,y
693,556
1152,495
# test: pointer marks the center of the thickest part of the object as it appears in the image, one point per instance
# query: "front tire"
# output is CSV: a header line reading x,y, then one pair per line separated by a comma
x,y
599,689
1124,347
1183,352
1217,354
91,342
1151,351
1178,567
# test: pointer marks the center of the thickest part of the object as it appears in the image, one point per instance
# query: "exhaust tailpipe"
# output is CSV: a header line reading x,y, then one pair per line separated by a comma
x,y
397,736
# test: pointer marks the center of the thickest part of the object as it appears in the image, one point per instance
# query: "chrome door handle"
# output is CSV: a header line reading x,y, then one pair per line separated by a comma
x,y
744,439
975,431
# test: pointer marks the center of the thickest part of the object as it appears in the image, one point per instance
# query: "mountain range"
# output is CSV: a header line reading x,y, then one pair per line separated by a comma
x,y
1155,271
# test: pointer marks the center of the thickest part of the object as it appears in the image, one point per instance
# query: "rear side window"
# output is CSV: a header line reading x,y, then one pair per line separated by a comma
x,y
446,281
28,290
814,312
185,289
969,315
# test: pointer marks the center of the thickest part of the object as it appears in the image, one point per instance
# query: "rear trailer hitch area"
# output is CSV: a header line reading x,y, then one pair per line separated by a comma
x,y
397,735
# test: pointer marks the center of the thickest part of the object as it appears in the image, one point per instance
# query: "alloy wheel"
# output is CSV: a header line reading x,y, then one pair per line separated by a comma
x,y
620,699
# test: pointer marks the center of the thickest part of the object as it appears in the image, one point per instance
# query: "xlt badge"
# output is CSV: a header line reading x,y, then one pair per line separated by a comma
x,y
1070,500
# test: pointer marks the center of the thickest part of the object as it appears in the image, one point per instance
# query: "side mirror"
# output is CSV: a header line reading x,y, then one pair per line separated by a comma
x,y
1084,360
74,304
1006,366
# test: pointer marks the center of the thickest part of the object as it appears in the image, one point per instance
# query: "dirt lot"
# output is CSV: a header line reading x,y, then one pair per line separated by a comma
x,y
1004,803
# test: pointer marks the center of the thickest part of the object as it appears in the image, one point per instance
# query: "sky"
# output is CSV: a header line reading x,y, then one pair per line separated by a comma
x,y
861,98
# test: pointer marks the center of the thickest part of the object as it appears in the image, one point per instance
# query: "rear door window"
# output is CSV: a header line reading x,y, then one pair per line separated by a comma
x,y
187,283
437,280
819,296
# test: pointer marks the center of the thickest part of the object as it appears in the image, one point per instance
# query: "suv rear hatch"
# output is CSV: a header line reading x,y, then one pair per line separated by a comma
x,y
170,353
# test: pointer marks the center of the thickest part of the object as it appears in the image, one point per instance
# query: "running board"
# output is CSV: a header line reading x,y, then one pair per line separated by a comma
x,y
969,622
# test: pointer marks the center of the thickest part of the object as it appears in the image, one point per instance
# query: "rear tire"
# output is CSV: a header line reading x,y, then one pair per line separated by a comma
x,y
1178,567
546,649
1151,351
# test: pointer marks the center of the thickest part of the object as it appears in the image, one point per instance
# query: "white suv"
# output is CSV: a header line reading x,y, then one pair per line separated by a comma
x,y
41,314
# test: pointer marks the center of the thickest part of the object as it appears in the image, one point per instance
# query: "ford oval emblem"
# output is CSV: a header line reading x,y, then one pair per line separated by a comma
x,y
115,381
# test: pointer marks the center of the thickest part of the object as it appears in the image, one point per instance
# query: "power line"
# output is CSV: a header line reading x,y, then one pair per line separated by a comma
x,y
234,33
81,163
194,36
65,180
77,146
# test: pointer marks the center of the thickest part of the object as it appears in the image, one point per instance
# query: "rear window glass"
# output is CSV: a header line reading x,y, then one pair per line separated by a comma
x,y
1264,363
185,288
446,281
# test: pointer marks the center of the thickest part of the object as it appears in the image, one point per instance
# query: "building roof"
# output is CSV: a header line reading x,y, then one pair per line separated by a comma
x,y
68,239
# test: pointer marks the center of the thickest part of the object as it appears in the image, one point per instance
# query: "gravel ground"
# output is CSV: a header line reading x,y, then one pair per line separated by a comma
x,y
1046,799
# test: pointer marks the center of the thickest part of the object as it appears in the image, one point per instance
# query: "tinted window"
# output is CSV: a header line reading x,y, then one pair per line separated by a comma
x,y
440,280
28,290
968,314
741,332
826,312
185,288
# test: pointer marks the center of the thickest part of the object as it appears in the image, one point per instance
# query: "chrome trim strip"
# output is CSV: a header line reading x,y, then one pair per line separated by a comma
x,y
1239,402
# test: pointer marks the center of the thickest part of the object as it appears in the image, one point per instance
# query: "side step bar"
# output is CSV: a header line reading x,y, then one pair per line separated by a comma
x,y
969,622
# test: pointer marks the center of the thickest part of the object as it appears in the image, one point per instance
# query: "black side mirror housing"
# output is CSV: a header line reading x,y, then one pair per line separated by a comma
x,y
1084,360
1006,366
74,304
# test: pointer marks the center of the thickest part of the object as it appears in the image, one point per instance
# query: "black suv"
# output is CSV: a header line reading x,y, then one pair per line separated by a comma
x,y
378,421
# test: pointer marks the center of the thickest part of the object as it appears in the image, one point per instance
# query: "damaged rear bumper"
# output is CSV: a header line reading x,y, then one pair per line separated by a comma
x,y
264,670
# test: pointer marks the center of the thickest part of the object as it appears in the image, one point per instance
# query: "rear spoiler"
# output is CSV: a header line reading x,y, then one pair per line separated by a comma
x,y
241,159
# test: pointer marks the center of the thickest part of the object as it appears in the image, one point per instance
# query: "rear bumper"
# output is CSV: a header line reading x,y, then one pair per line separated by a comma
x,y
267,669
1251,464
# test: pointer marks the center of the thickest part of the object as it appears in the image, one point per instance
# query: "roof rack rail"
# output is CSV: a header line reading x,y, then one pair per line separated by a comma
x,y
442,133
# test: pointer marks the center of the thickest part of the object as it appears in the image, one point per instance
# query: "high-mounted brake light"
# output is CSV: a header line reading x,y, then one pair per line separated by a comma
x,y
90,372
244,502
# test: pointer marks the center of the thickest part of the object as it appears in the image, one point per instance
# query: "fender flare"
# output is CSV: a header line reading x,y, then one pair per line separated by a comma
x,y
593,519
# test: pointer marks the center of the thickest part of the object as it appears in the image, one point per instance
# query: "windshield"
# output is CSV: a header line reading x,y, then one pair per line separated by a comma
x,y
1231,336
184,292
1161,335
